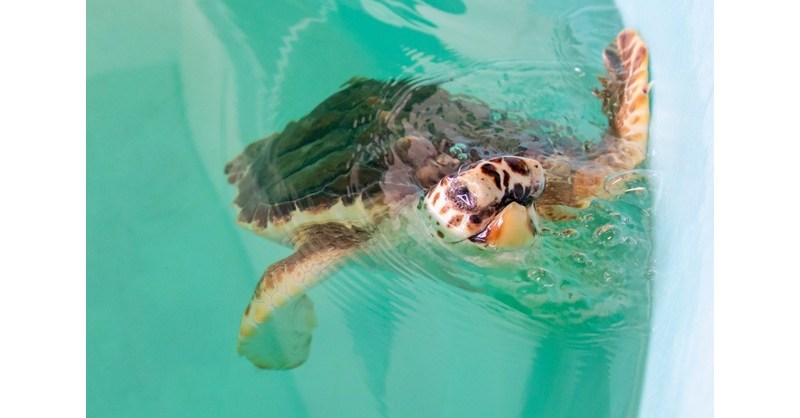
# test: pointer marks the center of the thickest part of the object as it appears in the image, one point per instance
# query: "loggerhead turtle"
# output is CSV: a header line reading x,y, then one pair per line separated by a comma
x,y
376,151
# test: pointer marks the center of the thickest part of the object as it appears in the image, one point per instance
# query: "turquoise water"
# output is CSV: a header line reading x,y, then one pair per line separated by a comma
x,y
176,89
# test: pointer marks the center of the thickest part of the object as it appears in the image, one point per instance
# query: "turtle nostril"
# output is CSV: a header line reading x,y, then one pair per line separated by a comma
x,y
518,193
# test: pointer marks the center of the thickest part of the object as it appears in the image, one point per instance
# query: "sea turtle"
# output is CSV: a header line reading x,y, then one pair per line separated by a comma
x,y
375,151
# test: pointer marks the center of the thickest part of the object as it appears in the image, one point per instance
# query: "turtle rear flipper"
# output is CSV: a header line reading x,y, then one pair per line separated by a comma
x,y
283,341
626,102
276,327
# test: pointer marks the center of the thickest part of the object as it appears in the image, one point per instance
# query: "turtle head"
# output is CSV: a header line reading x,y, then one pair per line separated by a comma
x,y
489,203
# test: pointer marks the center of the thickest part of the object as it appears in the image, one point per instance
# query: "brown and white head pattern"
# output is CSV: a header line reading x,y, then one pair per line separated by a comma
x,y
490,202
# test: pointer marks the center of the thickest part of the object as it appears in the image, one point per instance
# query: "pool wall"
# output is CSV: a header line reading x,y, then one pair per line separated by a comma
x,y
679,375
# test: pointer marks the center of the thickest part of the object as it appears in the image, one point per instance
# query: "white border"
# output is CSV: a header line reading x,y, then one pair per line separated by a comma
x,y
43,220
756,123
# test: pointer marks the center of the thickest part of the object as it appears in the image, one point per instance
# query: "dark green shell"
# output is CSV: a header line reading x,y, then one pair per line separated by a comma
x,y
336,152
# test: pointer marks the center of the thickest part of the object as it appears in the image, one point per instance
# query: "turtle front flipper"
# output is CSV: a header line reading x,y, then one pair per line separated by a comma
x,y
276,327
626,102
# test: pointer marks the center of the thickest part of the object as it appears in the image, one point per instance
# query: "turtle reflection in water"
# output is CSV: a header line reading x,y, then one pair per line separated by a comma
x,y
377,151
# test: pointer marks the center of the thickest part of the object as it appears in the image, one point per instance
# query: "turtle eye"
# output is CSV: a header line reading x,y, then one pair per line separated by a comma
x,y
462,197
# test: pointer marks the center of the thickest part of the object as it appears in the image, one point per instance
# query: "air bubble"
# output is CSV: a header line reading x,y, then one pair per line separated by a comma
x,y
580,259
606,234
542,277
569,232
630,241
610,277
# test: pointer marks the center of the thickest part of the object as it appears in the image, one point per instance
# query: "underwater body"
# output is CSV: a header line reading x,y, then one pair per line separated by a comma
x,y
411,325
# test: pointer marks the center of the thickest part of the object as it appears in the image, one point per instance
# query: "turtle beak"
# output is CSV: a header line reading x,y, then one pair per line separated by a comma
x,y
513,227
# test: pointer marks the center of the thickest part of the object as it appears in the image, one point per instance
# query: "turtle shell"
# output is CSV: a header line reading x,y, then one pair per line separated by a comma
x,y
333,164
333,159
